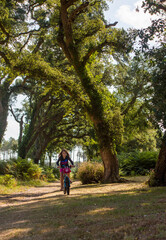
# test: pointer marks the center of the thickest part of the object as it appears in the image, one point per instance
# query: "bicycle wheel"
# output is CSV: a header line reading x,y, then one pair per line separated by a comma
x,y
67,185
68,190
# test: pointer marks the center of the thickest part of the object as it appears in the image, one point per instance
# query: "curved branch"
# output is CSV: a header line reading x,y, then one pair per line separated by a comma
x,y
6,33
111,25
93,50
78,11
3,55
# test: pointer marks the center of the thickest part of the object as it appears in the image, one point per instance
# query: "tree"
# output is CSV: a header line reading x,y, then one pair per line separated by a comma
x,y
14,30
159,101
9,147
84,37
95,36
50,118
158,69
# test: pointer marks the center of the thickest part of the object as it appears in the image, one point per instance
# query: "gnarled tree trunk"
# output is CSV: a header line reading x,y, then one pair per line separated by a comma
x,y
111,166
160,169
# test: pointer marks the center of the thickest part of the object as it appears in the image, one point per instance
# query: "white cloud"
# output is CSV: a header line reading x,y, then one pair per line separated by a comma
x,y
128,15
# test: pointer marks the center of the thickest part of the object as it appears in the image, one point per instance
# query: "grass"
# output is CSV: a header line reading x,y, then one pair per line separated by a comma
x,y
21,186
126,211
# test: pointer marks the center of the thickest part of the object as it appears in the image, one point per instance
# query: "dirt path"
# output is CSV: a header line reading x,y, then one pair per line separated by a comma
x,y
30,195
34,194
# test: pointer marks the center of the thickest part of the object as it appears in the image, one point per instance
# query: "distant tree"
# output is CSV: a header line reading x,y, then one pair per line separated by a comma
x,y
9,147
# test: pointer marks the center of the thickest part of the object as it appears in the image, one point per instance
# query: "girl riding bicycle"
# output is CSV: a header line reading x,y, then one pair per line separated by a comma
x,y
64,159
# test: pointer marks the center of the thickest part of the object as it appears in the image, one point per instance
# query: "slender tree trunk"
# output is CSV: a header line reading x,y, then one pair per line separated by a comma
x,y
160,169
50,159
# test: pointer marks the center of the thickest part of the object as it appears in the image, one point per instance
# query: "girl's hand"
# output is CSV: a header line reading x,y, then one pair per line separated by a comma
x,y
72,166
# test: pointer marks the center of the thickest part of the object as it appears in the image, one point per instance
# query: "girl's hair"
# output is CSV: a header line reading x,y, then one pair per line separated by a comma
x,y
64,150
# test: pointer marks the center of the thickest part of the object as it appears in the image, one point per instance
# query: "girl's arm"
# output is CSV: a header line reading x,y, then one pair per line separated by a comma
x,y
57,163
71,161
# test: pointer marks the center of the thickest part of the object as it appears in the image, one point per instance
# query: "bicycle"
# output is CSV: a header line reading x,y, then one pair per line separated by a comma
x,y
66,187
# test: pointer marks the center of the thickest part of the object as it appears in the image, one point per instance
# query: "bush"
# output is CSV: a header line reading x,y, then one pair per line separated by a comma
x,y
8,180
137,163
56,173
48,173
25,169
90,172
74,172
5,167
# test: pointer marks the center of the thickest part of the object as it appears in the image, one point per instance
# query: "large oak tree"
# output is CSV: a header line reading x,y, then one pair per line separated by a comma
x,y
84,38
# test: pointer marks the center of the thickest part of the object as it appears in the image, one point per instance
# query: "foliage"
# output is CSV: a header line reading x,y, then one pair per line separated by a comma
x,y
152,181
4,167
25,169
74,171
137,163
90,172
49,173
8,180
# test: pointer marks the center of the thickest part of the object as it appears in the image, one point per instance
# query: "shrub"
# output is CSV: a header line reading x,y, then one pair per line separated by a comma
x,y
74,172
137,163
48,173
5,167
34,171
56,173
8,180
25,169
90,172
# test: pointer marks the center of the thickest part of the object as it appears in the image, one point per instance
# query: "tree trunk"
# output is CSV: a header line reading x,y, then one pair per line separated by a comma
x,y
111,166
50,159
3,114
107,151
160,169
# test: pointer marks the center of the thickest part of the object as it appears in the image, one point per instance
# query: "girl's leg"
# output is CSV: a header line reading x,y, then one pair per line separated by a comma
x,y
61,180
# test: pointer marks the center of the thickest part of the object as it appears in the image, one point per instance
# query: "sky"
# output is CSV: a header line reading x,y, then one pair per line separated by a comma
x,y
123,11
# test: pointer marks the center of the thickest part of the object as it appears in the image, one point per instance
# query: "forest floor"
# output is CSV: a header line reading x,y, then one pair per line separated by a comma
x,y
125,211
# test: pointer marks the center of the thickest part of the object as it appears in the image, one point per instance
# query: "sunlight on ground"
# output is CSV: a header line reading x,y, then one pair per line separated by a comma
x,y
10,233
100,211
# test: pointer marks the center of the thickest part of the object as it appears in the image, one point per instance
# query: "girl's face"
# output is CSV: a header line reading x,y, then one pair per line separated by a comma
x,y
64,154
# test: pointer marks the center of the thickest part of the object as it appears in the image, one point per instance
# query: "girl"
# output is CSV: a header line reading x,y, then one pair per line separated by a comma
x,y
63,159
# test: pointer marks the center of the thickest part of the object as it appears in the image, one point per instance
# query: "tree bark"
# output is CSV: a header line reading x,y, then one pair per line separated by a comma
x,y
50,159
160,169
4,100
111,166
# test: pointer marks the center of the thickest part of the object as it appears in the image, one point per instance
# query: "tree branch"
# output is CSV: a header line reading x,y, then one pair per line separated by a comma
x,y
69,3
111,25
5,58
78,11
26,42
41,40
6,33
93,50
11,110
